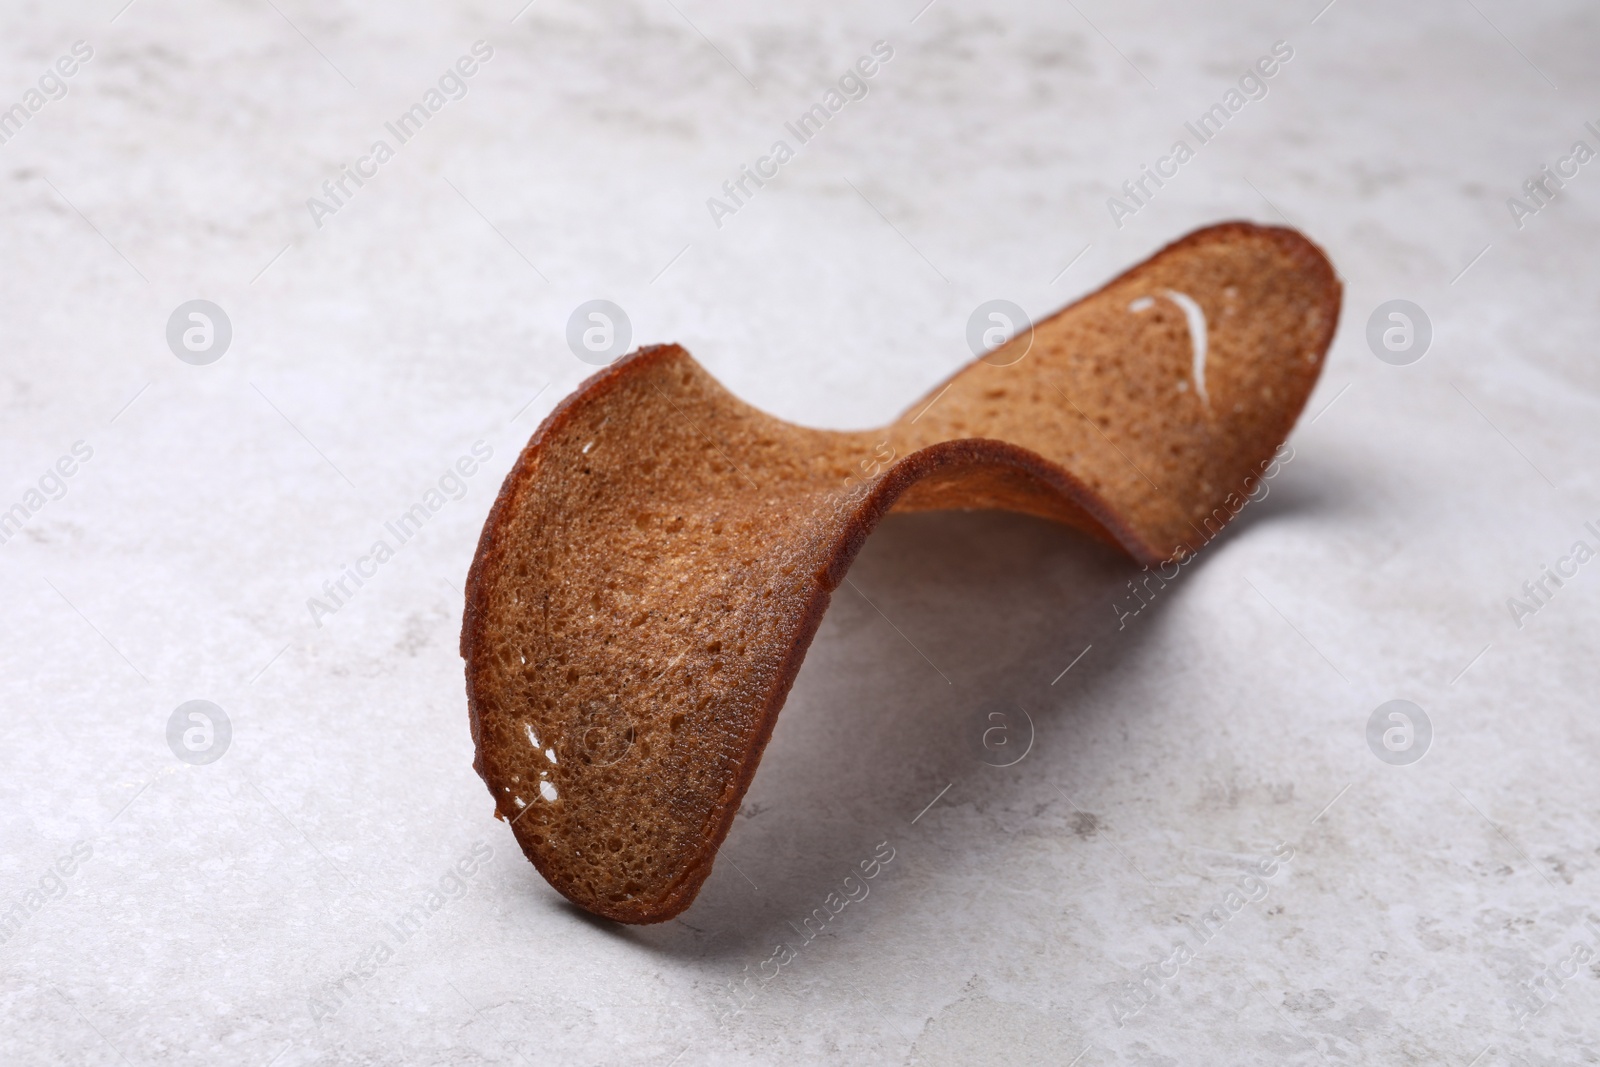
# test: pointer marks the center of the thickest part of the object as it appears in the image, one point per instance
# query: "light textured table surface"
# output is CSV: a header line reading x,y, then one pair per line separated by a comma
x,y
250,910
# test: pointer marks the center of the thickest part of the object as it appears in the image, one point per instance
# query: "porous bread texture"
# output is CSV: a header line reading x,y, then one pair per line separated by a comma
x,y
659,558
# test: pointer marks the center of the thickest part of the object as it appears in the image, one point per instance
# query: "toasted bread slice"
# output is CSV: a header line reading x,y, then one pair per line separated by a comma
x,y
659,558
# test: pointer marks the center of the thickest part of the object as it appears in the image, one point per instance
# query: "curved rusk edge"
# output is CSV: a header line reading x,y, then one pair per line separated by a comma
x,y
658,560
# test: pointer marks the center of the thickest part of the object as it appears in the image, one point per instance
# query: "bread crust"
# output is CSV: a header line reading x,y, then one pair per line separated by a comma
x,y
985,471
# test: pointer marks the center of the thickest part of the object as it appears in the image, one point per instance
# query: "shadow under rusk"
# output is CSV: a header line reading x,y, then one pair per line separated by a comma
x,y
943,615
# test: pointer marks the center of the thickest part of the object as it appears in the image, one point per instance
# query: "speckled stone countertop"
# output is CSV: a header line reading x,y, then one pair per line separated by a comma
x,y
1205,856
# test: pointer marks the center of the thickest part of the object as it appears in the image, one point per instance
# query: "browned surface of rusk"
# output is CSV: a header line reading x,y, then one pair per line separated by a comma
x,y
657,562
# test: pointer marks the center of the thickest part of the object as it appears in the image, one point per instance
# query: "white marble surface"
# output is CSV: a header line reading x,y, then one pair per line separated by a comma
x,y
221,904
